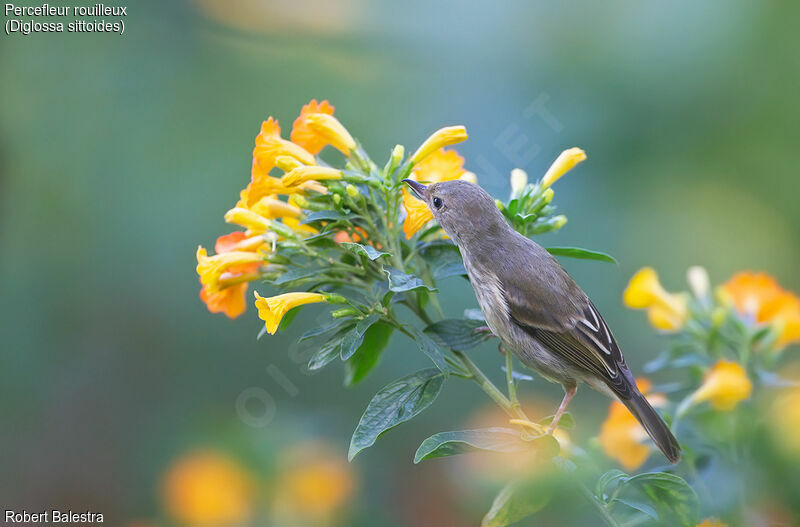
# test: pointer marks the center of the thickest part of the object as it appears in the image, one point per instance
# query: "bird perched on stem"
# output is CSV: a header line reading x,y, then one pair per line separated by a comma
x,y
534,307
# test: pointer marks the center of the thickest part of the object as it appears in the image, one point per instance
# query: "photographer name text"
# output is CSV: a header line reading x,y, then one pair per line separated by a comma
x,y
52,516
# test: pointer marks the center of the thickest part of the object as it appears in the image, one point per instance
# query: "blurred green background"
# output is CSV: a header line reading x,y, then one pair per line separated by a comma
x,y
119,154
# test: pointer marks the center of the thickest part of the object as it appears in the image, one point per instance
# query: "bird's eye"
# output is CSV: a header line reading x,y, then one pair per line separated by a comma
x,y
437,202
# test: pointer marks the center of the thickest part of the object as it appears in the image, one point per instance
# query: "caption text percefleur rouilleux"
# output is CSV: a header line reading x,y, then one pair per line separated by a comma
x,y
46,18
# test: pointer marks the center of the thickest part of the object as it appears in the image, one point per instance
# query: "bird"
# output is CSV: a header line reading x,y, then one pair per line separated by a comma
x,y
535,307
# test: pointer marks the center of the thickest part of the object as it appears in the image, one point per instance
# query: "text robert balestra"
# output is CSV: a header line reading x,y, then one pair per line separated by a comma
x,y
52,516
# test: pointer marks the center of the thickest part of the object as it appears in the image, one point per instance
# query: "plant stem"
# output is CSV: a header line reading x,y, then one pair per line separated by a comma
x,y
512,387
601,508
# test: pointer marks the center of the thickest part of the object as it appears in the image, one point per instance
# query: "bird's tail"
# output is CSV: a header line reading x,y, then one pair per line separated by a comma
x,y
656,428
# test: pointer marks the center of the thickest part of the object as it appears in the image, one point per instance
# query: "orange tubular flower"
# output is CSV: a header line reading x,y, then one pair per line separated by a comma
x,y
417,214
441,165
758,297
228,293
302,134
331,132
270,145
622,437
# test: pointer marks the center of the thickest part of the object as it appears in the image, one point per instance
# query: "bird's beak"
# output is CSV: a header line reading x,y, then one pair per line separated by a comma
x,y
419,189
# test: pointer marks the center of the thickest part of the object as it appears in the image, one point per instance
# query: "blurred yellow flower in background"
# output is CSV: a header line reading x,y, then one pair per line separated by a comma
x,y
565,162
271,310
622,437
312,486
725,385
666,311
208,489
785,420
712,522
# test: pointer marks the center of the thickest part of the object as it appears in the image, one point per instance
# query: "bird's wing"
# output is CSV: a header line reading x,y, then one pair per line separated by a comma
x,y
553,309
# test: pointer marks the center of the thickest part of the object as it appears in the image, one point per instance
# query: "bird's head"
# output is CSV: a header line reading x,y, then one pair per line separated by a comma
x,y
463,209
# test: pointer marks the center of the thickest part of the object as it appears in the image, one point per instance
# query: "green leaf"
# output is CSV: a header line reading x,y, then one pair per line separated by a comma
x,y
353,338
430,348
326,353
672,499
333,327
582,254
396,403
363,250
326,215
609,479
459,334
400,281
366,357
567,422
515,502
463,441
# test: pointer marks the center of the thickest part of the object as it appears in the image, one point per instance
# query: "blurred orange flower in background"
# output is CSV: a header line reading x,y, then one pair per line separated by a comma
x,y
622,437
712,522
759,297
313,485
785,420
206,488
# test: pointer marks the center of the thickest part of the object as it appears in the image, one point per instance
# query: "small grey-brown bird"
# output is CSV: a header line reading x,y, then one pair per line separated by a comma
x,y
534,307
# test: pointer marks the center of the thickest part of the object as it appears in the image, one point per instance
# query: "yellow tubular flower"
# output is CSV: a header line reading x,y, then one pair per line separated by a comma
x,y
271,310
666,311
270,145
287,163
417,214
209,268
332,131
304,174
208,489
247,219
725,385
563,164
439,139
442,165
270,208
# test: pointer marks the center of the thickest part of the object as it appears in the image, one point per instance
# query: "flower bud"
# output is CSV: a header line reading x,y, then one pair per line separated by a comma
x,y
559,221
337,199
300,201
287,163
397,154
547,195
563,164
352,191
333,298
698,280
519,180
344,312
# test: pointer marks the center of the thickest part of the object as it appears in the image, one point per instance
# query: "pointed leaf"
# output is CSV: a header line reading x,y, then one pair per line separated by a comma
x,y
353,338
396,403
515,502
430,348
366,358
459,334
582,254
400,281
464,441
363,250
